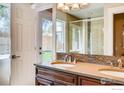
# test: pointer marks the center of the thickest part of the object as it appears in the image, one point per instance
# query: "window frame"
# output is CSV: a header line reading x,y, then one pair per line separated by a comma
x,y
64,35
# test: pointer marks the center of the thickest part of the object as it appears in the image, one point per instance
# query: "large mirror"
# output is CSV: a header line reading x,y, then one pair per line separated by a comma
x,y
81,30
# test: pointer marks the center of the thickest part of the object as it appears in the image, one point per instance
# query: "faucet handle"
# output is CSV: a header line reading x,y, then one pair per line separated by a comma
x,y
120,63
65,57
75,61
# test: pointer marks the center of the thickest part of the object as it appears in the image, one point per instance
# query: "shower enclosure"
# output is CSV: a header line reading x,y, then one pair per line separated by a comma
x,y
86,36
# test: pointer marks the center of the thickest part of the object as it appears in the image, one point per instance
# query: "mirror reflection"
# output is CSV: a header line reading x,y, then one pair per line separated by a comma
x,y
86,36
81,30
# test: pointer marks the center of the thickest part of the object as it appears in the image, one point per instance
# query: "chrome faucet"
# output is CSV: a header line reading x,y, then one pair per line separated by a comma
x,y
69,58
120,64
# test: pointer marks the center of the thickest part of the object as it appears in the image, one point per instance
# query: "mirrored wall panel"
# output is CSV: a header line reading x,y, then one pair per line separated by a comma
x,y
87,36
81,30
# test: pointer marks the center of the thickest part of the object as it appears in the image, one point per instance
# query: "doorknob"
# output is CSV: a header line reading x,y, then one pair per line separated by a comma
x,y
40,48
15,56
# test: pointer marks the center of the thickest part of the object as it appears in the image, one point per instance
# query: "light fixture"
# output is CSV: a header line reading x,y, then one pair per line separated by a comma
x,y
71,6
65,8
75,6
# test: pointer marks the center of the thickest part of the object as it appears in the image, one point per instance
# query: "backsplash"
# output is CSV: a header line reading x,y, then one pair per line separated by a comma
x,y
96,59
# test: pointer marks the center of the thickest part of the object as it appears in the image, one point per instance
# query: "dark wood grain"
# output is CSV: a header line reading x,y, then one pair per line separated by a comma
x,y
46,76
57,76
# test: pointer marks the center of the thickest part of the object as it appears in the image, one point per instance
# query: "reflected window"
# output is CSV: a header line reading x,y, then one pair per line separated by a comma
x,y
75,38
46,40
46,36
60,36
4,29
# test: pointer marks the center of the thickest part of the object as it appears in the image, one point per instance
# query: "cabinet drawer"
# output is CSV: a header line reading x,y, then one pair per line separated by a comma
x,y
41,81
58,76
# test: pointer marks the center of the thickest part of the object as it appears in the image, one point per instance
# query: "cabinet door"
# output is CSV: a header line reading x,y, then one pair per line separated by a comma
x,y
41,81
91,81
57,76
87,81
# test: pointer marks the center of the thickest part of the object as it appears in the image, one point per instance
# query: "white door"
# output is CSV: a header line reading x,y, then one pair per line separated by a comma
x,y
23,44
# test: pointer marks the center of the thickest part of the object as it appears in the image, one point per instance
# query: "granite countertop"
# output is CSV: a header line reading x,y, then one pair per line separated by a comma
x,y
85,69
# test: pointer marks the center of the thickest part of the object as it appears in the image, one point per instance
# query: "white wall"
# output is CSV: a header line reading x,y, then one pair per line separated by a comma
x,y
108,34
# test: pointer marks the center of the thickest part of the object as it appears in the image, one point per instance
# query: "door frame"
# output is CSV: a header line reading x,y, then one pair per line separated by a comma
x,y
109,42
40,9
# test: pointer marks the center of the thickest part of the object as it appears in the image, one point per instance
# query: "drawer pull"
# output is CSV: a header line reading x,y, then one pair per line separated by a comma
x,y
103,81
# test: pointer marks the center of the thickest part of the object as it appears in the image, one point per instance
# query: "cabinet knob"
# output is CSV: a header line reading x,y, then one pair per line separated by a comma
x,y
103,81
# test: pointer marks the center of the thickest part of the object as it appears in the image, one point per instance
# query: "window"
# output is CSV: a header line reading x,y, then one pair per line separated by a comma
x,y
60,36
75,37
4,29
46,40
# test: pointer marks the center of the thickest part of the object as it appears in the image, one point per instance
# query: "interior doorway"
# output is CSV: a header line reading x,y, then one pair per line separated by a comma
x,y
118,34
46,36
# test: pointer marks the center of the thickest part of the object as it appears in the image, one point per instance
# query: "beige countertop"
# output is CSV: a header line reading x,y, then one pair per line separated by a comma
x,y
86,69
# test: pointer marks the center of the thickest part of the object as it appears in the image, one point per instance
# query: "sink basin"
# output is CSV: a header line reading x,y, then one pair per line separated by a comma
x,y
62,64
113,72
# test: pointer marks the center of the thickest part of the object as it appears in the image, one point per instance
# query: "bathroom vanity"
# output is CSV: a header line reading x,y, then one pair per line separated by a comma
x,y
79,74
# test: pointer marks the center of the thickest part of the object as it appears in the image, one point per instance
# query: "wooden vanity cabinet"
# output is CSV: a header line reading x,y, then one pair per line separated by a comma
x,y
52,77
47,76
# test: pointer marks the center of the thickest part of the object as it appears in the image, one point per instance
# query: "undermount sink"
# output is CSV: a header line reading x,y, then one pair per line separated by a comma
x,y
113,72
62,64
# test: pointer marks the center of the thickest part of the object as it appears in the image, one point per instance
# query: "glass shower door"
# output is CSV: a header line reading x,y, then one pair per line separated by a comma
x,y
5,62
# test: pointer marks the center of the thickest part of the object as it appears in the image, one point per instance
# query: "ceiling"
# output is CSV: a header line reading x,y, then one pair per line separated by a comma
x,y
90,11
